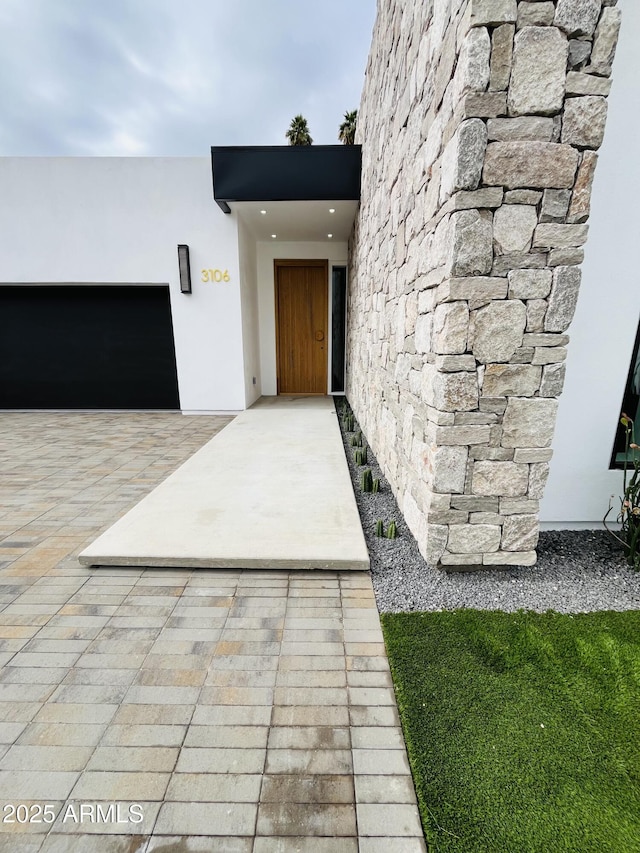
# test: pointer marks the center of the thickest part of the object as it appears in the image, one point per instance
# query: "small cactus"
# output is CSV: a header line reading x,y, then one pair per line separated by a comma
x,y
361,455
379,527
358,439
367,480
392,530
354,441
375,487
349,423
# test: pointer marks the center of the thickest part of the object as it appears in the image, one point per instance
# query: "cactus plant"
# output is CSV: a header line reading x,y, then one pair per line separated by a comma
x,y
358,439
375,488
354,441
379,527
349,422
392,530
361,456
367,480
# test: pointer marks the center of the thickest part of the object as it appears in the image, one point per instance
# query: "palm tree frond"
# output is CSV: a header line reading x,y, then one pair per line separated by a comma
x,y
347,130
298,133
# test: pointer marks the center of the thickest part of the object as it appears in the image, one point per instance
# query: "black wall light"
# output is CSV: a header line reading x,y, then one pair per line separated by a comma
x,y
185,268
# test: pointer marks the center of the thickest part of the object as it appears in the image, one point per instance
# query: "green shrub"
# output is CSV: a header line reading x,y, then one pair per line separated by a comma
x,y
629,515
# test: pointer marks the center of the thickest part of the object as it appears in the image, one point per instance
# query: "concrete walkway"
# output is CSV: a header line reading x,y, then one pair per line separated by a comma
x,y
178,710
270,491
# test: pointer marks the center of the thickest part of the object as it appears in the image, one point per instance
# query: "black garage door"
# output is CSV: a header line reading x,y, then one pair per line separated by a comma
x,y
87,347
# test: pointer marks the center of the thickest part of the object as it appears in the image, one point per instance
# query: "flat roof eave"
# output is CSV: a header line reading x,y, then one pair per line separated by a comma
x,y
285,173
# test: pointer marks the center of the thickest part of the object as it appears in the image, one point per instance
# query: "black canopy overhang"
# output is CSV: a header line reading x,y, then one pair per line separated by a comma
x,y
285,173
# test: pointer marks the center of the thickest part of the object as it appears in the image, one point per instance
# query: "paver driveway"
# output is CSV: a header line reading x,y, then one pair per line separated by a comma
x,y
178,710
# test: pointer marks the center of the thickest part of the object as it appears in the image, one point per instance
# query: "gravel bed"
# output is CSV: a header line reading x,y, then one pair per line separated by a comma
x,y
577,570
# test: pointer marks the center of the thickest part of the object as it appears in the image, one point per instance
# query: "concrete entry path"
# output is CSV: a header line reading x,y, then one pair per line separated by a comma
x,y
178,710
272,490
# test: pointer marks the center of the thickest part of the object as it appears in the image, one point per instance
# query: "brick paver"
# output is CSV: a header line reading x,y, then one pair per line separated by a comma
x,y
160,709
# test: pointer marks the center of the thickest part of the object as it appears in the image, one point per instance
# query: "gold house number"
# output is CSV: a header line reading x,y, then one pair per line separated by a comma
x,y
216,275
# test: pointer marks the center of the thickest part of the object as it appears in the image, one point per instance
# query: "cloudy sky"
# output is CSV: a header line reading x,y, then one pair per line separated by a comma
x,y
172,77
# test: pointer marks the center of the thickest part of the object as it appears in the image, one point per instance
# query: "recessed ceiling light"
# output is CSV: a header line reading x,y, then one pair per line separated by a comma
x,y
332,210
273,236
329,236
263,212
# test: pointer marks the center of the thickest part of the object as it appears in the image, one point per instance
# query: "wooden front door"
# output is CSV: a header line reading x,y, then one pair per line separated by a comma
x,y
301,326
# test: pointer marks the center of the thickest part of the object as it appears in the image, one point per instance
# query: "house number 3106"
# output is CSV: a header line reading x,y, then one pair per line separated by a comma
x,y
216,275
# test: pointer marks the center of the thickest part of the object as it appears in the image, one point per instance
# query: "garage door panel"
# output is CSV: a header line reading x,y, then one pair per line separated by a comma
x,y
87,347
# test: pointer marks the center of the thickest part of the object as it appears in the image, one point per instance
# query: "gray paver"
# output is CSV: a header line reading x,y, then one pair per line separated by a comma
x,y
198,844
306,761
104,785
230,704
317,788
215,760
324,819
384,789
305,845
207,818
215,787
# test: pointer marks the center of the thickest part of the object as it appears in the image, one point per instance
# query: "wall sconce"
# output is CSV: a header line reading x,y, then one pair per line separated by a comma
x,y
185,269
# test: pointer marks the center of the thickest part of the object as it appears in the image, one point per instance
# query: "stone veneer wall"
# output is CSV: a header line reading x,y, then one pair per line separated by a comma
x,y
479,122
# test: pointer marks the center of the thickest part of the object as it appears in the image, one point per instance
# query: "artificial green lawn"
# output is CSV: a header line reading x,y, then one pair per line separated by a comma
x,y
523,729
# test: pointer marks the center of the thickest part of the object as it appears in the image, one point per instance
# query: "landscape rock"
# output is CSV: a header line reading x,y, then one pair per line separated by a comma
x,y
565,257
479,538
501,56
449,466
579,52
577,17
471,247
529,422
513,227
563,298
452,392
538,476
606,38
493,12
422,338
529,284
472,72
548,355
523,197
477,290
522,128
580,206
519,533
513,380
538,74
500,479
463,158
552,380
498,330
450,328
587,84
558,236
436,536
530,164
536,309
555,204
584,121
536,14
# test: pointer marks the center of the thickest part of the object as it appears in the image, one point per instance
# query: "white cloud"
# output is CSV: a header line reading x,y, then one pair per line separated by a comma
x,y
169,77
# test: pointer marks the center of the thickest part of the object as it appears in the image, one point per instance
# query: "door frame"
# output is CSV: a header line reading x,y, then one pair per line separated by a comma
x,y
301,262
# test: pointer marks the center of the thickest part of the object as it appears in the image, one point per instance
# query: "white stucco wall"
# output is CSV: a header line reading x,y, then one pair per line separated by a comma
x,y
604,328
336,253
250,318
119,220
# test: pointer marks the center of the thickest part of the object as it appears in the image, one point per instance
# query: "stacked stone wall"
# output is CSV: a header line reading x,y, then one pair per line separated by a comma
x,y
479,121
